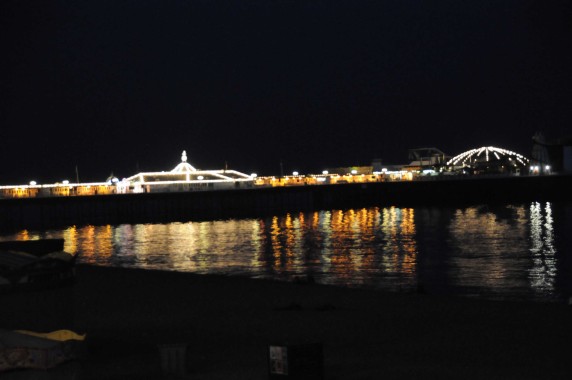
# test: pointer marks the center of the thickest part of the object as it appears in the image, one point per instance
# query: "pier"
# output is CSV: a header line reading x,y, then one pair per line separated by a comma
x,y
48,212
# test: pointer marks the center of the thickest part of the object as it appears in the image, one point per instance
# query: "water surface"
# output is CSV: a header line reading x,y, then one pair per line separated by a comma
x,y
517,252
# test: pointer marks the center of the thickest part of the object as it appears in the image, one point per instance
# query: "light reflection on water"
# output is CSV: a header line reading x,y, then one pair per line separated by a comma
x,y
543,272
507,252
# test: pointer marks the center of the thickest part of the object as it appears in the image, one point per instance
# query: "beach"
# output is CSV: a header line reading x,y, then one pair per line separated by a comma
x,y
228,323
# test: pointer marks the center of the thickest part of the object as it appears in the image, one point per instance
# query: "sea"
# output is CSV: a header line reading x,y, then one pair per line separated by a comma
x,y
510,252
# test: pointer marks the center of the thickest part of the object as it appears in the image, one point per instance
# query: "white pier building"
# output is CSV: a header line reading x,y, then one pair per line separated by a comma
x,y
184,177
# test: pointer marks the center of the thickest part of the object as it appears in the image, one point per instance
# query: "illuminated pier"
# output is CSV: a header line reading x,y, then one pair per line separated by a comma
x,y
186,193
184,177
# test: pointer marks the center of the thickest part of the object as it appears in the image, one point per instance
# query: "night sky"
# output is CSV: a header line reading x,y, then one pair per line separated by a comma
x,y
125,86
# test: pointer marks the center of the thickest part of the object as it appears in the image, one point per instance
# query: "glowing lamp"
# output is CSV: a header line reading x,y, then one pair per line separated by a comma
x,y
200,177
65,182
325,172
294,173
354,171
32,183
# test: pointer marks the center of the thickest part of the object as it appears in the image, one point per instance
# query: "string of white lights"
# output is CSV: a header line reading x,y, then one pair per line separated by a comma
x,y
498,153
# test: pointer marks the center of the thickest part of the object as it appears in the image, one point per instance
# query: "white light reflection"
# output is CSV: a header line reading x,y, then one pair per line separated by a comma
x,y
488,250
543,271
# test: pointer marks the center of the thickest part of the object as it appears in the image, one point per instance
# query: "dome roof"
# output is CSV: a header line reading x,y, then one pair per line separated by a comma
x,y
487,154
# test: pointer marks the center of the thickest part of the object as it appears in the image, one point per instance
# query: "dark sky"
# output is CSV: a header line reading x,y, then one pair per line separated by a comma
x,y
125,86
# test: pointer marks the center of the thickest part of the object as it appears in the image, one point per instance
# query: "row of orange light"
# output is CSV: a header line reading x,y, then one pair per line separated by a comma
x,y
114,181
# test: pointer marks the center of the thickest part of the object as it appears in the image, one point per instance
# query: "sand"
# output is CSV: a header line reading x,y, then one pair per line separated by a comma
x,y
228,323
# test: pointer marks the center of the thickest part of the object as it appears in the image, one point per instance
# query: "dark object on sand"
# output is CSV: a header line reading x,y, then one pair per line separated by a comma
x,y
20,349
173,358
38,247
35,264
296,361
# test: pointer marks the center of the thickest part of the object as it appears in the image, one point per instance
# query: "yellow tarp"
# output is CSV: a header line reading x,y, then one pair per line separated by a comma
x,y
59,335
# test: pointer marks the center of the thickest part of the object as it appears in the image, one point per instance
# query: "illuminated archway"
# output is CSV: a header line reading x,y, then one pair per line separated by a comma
x,y
487,153
489,159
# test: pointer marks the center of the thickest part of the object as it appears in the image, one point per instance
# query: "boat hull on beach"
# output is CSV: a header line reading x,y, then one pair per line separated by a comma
x,y
35,265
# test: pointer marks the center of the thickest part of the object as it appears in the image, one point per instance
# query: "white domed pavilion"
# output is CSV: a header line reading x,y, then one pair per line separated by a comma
x,y
489,159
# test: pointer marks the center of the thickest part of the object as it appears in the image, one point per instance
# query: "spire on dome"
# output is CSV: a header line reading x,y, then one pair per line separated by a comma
x,y
184,166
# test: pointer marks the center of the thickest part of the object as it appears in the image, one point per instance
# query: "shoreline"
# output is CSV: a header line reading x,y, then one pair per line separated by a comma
x,y
228,323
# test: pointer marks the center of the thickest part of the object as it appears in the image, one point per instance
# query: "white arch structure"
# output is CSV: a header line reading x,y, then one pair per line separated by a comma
x,y
488,151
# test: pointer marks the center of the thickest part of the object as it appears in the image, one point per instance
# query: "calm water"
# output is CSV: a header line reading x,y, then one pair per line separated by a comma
x,y
518,252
